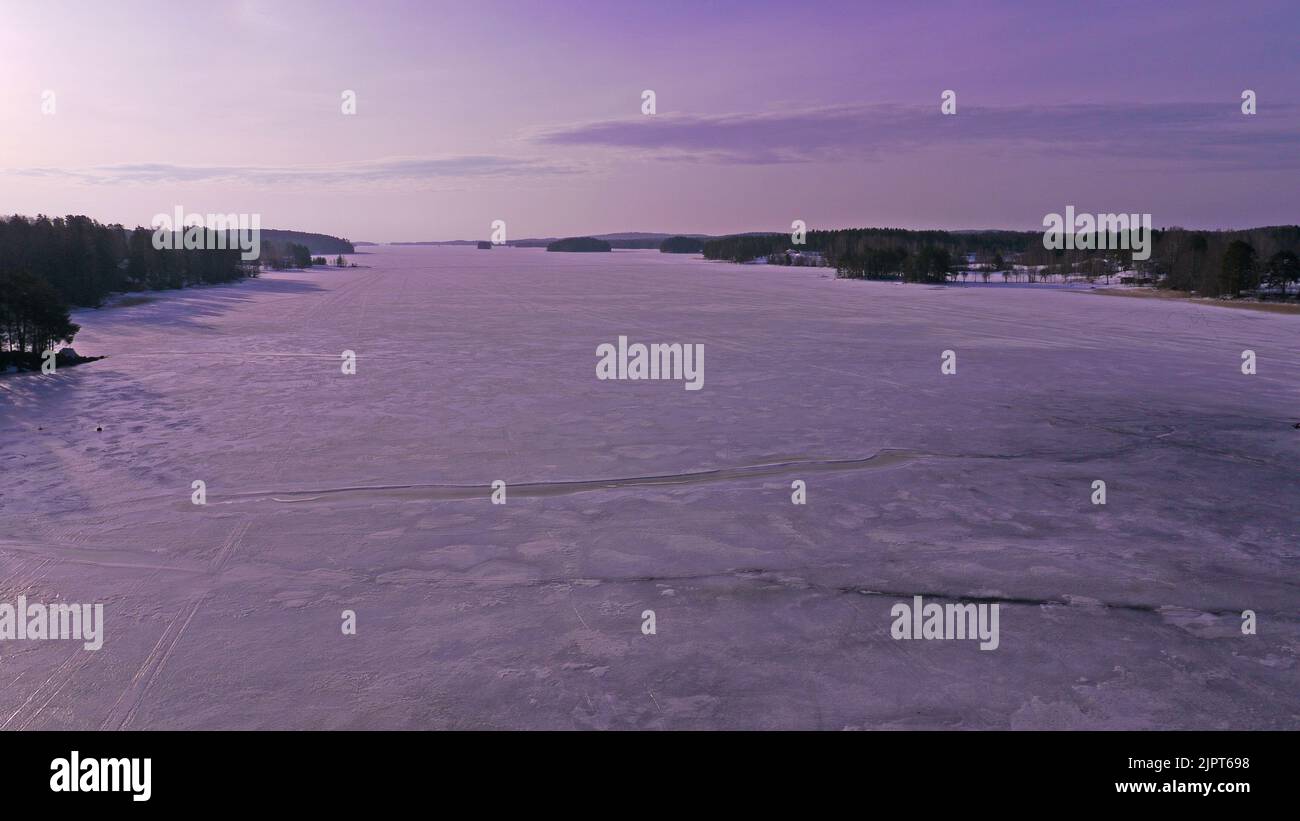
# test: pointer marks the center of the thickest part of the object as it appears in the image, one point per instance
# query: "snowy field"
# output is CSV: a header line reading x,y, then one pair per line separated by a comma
x,y
370,492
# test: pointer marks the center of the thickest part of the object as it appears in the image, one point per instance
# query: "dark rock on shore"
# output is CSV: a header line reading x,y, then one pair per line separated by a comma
x,y
13,362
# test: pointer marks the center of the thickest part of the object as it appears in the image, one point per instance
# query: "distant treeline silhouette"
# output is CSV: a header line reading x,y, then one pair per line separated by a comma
x,y
84,260
316,243
579,244
682,245
1212,263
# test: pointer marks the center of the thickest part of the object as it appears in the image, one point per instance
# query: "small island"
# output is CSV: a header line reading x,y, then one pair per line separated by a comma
x,y
682,245
579,244
484,245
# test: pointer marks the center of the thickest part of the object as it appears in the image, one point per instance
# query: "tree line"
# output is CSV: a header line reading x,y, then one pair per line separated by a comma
x,y
33,318
48,265
1211,263
84,260
871,253
1216,263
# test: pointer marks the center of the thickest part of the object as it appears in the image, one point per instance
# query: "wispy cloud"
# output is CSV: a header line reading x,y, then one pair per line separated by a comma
x,y
399,171
1204,132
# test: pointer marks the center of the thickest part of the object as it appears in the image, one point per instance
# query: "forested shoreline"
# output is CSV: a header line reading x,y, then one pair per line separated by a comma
x,y
50,265
1210,263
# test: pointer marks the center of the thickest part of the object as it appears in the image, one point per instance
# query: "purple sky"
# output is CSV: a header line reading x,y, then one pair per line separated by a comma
x,y
530,112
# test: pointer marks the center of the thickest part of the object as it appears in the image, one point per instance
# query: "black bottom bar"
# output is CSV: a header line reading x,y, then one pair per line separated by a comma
x,y
332,770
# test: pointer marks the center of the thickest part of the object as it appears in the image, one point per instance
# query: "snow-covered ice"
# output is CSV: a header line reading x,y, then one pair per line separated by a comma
x,y
370,492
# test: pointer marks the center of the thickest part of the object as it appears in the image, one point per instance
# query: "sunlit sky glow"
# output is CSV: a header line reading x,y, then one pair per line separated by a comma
x,y
767,112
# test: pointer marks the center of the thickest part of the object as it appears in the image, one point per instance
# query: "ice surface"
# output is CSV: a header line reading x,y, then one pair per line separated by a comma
x,y
371,493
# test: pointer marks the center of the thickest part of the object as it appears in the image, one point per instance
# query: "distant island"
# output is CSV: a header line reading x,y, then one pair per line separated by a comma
x,y
315,243
682,245
579,245
484,245
628,239
439,242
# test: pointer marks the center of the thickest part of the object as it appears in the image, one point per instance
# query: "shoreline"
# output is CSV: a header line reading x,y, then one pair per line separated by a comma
x,y
1184,296
13,366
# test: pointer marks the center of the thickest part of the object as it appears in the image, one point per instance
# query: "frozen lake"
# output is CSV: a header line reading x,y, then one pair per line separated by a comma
x,y
370,492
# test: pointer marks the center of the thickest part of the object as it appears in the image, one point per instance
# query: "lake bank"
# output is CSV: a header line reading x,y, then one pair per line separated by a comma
x,y
1158,293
